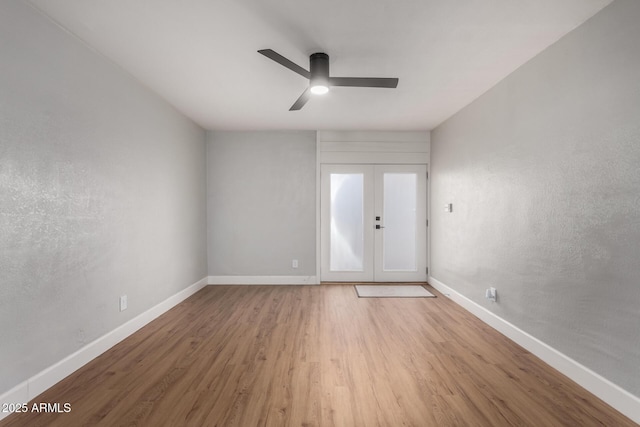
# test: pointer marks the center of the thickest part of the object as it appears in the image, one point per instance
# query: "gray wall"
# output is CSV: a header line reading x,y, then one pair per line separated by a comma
x,y
544,175
261,203
102,193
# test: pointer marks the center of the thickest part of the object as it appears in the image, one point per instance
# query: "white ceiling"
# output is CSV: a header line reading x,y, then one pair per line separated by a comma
x,y
200,55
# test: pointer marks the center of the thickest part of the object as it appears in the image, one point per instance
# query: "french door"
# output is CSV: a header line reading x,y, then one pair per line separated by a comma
x,y
373,223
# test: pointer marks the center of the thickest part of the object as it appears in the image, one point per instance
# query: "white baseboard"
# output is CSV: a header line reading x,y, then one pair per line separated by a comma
x,y
29,389
262,280
614,395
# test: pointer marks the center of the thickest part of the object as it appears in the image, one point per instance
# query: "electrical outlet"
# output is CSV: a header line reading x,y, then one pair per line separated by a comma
x,y
294,263
491,294
123,303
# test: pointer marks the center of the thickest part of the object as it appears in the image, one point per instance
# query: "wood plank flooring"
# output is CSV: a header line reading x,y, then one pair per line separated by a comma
x,y
318,356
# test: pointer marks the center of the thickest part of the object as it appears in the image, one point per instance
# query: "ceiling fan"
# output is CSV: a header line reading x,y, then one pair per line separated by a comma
x,y
319,79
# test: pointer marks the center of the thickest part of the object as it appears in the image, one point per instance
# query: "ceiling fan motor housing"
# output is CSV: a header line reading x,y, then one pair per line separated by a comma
x,y
319,69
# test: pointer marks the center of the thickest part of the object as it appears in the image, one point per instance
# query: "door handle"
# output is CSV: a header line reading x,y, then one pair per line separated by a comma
x,y
378,226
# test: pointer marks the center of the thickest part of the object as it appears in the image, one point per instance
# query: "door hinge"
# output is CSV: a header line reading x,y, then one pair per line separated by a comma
x,y
427,270
427,223
427,175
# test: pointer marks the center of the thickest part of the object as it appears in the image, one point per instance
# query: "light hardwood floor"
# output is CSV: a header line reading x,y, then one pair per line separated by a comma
x,y
318,356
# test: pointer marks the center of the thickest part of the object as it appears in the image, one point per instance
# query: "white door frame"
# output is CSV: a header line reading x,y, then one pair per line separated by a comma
x,y
373,239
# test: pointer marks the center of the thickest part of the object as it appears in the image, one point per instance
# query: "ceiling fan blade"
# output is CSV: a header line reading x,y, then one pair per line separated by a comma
x,y
301,101
285,62
364,82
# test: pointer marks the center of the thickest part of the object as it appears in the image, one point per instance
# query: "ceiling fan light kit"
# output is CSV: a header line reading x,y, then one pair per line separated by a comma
x,y
319,70
318,89
319,79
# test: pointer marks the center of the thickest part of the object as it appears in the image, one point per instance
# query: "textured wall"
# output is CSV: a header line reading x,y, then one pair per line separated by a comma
x,y
102,193
261,203
543,173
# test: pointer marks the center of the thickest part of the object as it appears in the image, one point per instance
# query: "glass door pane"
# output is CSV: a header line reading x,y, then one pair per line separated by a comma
x,y
347,222
399,214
